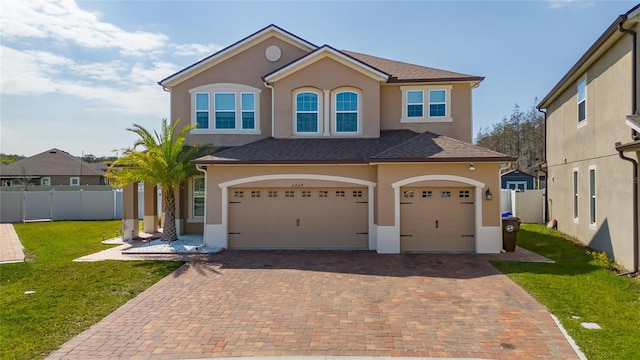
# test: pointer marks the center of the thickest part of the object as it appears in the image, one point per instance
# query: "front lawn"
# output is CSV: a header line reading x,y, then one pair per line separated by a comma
x,y
581,284
69,296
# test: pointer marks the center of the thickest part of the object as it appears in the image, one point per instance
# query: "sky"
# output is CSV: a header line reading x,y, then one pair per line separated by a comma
x,y
74,75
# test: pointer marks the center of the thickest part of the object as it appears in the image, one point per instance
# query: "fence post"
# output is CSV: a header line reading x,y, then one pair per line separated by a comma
x,y
51,204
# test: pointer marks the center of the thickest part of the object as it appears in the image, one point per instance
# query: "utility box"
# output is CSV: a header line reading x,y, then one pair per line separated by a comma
x,y
510,228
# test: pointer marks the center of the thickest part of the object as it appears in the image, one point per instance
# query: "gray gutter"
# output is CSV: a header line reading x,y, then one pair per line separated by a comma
x,y
611,30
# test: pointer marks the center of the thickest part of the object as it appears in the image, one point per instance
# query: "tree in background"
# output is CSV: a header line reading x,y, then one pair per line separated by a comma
x,y
158,158
520,135
9,158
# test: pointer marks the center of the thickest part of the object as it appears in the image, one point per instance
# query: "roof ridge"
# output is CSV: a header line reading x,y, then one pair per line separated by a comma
x,y
472,145
399,145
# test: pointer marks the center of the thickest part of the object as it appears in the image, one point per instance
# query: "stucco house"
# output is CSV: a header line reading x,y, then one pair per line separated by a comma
x,y
320,148
53,167
517,180
592,144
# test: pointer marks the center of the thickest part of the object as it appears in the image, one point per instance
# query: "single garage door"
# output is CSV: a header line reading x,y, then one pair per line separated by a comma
x,y
298,218
437,219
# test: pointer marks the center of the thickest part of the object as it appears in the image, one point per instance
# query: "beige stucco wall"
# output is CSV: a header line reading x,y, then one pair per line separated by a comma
x,y
487,173
461,108
245,68
220,174
383,175
327,74
570,146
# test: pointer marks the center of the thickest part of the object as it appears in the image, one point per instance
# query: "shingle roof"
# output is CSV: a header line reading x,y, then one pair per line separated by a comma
x,y
52,162
433,147
402,72
391,146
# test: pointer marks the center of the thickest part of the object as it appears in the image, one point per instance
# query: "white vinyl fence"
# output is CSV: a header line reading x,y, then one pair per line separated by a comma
x,y
24,206
527,205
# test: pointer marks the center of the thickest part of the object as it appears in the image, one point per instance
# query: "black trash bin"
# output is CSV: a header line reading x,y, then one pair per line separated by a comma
x,y
510,228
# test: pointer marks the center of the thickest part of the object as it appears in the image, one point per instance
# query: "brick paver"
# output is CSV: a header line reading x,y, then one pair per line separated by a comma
x,y
327,303
10,246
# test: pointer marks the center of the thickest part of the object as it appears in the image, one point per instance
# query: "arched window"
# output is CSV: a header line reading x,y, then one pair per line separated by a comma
x,y
307,112
346,112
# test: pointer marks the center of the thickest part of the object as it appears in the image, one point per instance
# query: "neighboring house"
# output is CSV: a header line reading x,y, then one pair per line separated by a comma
x,y
51,168
592,177
517,180
330,149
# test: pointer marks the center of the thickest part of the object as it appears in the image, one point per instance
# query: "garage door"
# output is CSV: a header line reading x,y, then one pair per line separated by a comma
x,y
437,219
296,218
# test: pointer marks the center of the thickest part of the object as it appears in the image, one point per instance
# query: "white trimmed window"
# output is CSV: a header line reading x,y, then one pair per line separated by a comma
x,y
426,103
74,181
307,105
197,197
225,109
45,181
346,116
575,195
592,195
202,110
415,103
582,101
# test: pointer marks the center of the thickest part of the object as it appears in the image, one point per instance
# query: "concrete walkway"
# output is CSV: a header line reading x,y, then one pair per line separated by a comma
x,y
10,246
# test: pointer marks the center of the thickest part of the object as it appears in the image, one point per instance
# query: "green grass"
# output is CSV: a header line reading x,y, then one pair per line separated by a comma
x,y
581,283
69,296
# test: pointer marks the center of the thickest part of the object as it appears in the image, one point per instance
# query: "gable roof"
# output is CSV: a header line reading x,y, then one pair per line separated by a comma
x,y
391,146
405,72
321,52
599,47
54,162
516,171
232,49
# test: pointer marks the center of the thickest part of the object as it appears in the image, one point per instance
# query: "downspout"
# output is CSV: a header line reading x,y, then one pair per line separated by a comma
x,y
634,72
273,110
634,137
204,222
546,174
635,211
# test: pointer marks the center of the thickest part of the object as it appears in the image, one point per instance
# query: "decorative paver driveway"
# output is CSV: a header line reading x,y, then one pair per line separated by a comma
x,y
327,303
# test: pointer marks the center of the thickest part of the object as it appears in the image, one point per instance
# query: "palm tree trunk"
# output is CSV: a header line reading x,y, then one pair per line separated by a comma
x,y
169,232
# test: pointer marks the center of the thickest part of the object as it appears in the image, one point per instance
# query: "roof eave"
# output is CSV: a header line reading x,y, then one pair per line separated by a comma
x,y
277,162
584,59
474,79
443,160
168,81
283,71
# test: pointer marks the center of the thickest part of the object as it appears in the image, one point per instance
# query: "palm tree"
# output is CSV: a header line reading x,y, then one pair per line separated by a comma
x,y
165,160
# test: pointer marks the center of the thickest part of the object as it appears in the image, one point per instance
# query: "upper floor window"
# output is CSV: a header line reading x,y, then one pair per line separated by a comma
x,y
225,109
426,103
582,100
346,106
307,112
415,103
437,103
202,110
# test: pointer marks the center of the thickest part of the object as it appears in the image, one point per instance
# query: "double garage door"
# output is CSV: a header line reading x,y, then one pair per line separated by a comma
x,y
298,218
437,219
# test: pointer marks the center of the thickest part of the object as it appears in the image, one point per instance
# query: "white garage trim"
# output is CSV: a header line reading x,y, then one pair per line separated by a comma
x,y
389,236
219,232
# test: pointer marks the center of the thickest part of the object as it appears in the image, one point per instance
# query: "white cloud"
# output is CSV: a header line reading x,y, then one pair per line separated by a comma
x,y
559,4
40,72
65,22
198,50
